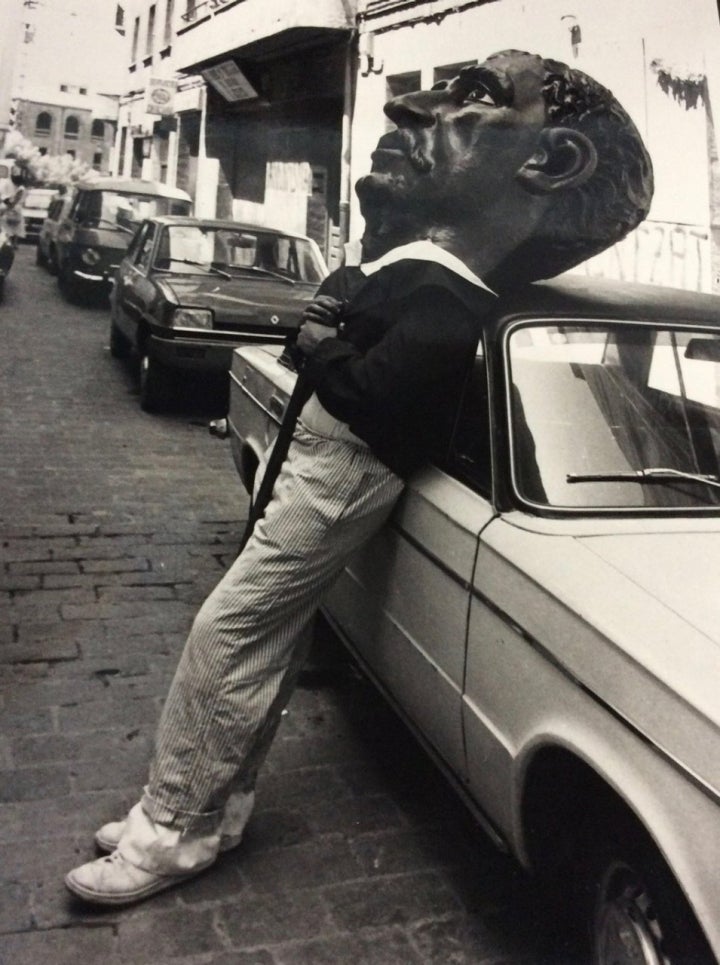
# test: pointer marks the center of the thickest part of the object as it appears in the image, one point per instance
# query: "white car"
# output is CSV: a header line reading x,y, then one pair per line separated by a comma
x,y
544,605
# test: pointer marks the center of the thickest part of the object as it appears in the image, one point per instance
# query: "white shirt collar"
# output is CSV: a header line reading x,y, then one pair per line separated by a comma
x,y
425,250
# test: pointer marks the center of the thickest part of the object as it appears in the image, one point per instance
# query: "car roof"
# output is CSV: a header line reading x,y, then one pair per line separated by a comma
x,y
134,186
584,297
181,219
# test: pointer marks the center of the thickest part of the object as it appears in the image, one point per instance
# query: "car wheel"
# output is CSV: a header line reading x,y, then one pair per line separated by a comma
x,y
40,257
156,388
68,285
634,909
119,345
52,262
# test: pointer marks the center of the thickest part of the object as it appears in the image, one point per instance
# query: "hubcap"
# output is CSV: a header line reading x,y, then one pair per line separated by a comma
x,y
627,930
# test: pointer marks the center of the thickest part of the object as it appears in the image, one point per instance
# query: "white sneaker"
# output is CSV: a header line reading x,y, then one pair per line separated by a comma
x,y
238,809
108,837
114,881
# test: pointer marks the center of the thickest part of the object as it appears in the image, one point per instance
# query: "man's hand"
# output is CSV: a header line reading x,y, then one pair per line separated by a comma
x,y
310,334
319,319
323,310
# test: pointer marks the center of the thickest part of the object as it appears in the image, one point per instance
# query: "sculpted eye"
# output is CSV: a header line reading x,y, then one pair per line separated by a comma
x,y
480,95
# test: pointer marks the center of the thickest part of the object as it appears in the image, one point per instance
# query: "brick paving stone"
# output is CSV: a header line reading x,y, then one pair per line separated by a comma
x,y
60,946
149,937
31,783
259,921
391,947
392,900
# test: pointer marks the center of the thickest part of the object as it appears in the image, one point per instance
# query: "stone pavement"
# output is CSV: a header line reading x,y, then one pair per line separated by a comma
x,y
114,525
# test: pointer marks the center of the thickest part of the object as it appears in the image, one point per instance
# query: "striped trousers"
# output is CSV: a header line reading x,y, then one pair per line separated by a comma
x,y
246,647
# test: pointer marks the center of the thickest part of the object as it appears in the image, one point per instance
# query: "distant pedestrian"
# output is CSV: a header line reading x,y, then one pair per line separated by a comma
x,y
12,196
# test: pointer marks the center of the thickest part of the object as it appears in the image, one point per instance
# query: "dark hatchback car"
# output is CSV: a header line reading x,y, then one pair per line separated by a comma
x,y
103,218
190,290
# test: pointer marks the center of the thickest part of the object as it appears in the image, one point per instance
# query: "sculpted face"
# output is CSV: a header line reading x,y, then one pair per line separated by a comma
x,y
459,146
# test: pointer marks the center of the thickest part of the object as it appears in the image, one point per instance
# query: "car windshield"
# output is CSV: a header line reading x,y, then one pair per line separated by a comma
x,y
125,210
615,416
187,248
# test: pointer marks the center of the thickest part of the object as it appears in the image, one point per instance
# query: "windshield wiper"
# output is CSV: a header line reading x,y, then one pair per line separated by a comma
x,y
259,270
654,474
198,264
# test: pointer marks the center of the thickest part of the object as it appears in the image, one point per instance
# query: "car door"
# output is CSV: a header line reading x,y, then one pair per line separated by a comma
x,y
403,601
133,289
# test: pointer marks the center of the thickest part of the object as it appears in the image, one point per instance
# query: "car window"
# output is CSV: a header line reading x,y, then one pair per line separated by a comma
x,y
145,246
187,248
597,411
124,210
470,446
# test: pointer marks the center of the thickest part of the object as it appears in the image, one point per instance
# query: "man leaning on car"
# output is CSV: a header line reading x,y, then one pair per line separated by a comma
x,y
516,169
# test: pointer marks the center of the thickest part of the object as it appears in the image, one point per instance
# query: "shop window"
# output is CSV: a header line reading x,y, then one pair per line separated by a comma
x,y
135,39
72,127
167,33
43,124
451,70
398,84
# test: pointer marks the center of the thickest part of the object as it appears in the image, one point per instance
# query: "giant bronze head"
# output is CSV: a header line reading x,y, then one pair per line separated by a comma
x,y
531,163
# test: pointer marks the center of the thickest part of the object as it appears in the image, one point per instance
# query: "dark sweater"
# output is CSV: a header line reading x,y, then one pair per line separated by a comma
x,y
394,374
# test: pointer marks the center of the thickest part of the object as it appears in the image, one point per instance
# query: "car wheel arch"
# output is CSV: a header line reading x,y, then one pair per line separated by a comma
x,y
566,808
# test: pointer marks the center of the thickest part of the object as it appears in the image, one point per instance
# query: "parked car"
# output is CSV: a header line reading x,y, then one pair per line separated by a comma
x,y
94,236
35,207
190,290
7,256
543,606
46,251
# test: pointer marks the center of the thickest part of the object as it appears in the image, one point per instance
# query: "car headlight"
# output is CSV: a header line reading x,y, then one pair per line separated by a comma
x,y
90,256
192,318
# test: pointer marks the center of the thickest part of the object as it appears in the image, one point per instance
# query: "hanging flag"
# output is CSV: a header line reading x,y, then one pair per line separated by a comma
x,y
120,20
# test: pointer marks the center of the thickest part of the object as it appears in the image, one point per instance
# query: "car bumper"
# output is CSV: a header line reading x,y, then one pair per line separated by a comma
x,y
92,278
198,355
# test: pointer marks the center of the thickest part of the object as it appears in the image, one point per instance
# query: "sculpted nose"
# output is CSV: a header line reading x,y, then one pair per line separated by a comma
x,y
412,110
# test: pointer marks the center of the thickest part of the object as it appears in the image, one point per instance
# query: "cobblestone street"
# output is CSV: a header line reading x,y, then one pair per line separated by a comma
x,y
115,525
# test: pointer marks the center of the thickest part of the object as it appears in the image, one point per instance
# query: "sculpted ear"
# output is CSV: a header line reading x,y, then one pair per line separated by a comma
x,y
563,159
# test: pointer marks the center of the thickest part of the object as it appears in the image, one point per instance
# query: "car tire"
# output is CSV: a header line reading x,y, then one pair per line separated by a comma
x,y
52,262
68,285
156,387
119,345
40,259
632,907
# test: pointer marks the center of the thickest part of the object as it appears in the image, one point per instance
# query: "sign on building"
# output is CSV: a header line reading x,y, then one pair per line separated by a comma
x,y
160,96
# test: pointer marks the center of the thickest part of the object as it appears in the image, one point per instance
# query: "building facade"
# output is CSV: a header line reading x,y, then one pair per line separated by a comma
x,y
60,77
70,122
255,113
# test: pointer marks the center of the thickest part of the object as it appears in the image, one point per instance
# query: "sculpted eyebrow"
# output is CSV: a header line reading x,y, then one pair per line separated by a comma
x,y
498,84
